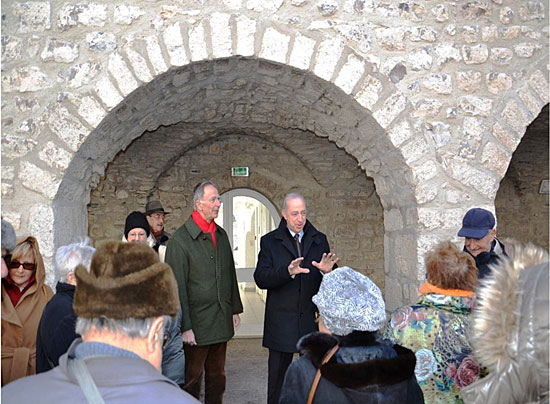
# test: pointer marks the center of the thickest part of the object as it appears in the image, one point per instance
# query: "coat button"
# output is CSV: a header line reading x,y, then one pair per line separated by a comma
x,y
211,257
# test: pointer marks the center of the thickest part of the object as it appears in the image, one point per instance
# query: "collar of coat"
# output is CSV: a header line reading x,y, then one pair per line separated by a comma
x,y
356,375
283,233
193,229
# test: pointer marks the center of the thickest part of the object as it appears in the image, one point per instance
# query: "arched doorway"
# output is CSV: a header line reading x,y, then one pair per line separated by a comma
x,y
247,215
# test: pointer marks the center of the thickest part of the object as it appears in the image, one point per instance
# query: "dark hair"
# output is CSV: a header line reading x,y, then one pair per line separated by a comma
x,y
450,268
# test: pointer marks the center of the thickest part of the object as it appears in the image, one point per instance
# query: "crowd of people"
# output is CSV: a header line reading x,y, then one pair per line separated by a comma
x,y
147,318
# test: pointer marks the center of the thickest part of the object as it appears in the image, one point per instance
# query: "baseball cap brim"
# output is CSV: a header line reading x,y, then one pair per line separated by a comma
x,y
473,233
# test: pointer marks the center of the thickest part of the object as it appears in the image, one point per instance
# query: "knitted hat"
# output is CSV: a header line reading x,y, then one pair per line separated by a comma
x,y
349,301
125,280
8,237
136,220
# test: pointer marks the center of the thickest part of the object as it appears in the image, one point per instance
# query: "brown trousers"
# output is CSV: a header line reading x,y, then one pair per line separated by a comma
x,y
211,360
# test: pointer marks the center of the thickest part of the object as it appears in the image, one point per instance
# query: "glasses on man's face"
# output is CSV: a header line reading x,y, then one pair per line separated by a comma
x,y
29,266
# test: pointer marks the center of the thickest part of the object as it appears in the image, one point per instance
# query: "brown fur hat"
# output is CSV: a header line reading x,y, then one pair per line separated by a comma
x,y
125,280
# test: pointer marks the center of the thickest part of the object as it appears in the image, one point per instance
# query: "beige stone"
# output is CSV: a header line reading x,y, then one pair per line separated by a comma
x,y
174,45
475,54
327,57
369,93
515,116
496,159
274,45
439,83
38,180
501,56
391,108
350,74
33,16
197,43
497,82
54,156
475,106
468,81
221,35
302,52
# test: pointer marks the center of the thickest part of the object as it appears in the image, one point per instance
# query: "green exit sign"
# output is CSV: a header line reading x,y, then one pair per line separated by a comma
x,y
239,171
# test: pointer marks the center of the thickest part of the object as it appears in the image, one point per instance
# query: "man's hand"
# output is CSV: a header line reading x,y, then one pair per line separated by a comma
x,y
327,262
294,267
236,320
188,337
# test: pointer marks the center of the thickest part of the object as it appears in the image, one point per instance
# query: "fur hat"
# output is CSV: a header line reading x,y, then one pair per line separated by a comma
x,y
8,237
136,220
125,280
349,301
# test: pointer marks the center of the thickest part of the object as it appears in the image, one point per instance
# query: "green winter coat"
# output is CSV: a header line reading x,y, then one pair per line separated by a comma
x,y
207,282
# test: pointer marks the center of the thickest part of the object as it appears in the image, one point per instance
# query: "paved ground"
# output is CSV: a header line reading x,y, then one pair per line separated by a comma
x,y
246,370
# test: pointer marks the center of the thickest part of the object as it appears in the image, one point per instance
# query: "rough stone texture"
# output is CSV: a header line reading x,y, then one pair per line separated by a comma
x,y
246,28
38,180
476,54
221,35
501,56
59,51
197,44
468,81
369,93
89,15
327,56
274,45
475,106
25,79
515,116
101,41
80,74
12,48
33,16
350,74
16,146
55,156
66,126
91,111
439,83
174,45
391,108
497,82
302,51
124,14
108,93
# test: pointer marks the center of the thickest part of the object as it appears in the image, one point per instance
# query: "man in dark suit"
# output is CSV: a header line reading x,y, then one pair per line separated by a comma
x,y
291,262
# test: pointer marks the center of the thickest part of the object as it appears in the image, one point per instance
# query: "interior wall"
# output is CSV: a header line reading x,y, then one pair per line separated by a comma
x,y
522,212
341,199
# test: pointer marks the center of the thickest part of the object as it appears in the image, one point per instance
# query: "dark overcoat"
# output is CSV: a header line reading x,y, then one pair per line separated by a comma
x,y
207,282
56,330
289,311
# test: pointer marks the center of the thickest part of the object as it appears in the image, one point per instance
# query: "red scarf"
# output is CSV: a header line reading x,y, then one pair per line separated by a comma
x,y
13,290
205,226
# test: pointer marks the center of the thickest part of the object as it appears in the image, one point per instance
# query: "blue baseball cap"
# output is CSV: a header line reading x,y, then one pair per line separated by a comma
x,y
476,223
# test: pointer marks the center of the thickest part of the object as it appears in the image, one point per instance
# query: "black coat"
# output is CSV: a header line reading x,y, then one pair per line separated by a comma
x,y
364,370
56,330
489,258
289,311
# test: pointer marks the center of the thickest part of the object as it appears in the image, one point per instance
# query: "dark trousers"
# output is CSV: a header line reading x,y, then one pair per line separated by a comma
x,y
277,364
211,360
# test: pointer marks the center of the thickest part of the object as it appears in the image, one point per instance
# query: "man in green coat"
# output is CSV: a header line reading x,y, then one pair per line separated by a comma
x,y
202,260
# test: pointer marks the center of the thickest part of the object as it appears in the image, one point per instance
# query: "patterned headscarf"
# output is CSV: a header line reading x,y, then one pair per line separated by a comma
x,y
349,301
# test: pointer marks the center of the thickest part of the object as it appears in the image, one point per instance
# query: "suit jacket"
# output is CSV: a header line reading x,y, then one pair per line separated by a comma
x,y
289,311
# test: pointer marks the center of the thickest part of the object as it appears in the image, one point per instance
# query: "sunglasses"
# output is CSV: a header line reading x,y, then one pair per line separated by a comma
x,y
29,266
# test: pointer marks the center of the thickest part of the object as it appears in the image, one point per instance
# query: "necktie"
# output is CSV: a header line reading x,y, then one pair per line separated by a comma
x,y
298,245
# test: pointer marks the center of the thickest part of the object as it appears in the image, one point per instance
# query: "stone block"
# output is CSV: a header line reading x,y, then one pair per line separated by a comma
x,y
274,45
399,133
327,7
393,220
473,10
246,31
369,93
415,149
508,139
233,4
8,173
424,172
479,181
391,38
25,79
90,110
41,226
531,33
33,16
489,33
506,15
29,127
7,190
532,10
264,5
450,29
139,65
468,81
427,34
197,43
526,49
439,132
440,218
221,35
11,48
474,105
495,158
13,217
470,33
391,108
501,56
302,52
81,74
405,248
174,45
38,180
126,15
66,126
420,58
87,14
350,74
108,93
59,51
441,83
426,107
446,52
441,12
55,157
497,82
25,104
510,32
425,193
16,146
394,292
121,72
101,41
328,54
155,54
475,54
532,103
515,116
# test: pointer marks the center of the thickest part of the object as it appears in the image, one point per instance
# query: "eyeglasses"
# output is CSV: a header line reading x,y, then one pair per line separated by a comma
x,y
29,266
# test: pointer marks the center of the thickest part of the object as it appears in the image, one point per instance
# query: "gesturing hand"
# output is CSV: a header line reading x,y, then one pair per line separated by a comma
x,y
295,268
188,337
327,262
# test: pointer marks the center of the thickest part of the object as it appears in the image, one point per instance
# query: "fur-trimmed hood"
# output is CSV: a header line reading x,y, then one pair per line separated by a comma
x,y
503,308
384,370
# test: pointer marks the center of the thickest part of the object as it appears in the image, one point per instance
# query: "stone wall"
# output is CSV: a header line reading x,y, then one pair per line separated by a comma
x,y
341,200
430,98
522,210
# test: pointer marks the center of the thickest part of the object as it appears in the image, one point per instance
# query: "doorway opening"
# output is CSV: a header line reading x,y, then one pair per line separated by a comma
x,y
246,215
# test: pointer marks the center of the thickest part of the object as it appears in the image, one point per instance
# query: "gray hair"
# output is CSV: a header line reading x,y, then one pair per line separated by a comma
x,y
198,191
132,327
68,257
292,195
8,237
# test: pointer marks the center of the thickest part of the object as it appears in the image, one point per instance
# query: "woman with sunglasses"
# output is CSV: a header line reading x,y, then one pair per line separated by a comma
x,y
24,296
